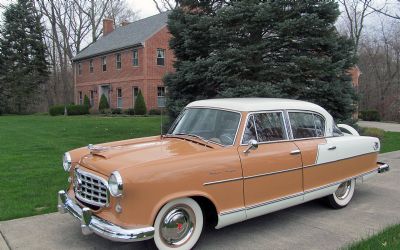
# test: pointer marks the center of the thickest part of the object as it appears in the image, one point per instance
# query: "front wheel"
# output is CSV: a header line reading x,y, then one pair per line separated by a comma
x,y
342,196
178,225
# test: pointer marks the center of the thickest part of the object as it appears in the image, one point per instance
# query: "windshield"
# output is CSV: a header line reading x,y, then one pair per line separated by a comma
x,y
213,125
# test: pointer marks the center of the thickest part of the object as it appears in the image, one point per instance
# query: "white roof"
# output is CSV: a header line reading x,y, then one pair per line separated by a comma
x,y
258,104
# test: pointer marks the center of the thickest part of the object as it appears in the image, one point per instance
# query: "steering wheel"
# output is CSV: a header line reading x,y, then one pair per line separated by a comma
x,y
226,139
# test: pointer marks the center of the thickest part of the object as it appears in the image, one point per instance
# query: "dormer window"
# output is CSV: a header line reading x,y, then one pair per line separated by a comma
x,y
161,57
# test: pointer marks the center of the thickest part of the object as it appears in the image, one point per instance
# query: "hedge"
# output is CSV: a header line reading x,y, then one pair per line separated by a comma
x,y
370,115
71,110
140,105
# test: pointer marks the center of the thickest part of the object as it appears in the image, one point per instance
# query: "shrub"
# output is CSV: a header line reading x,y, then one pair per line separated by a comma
x,y
77,109
154,112
140,105
57,110
374,132
370,115
129,111
116,111
103,103
86,101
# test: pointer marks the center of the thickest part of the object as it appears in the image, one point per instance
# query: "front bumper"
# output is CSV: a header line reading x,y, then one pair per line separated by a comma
x,y
93,224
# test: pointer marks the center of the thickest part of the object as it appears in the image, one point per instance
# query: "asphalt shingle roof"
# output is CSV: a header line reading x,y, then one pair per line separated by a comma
x,y
127,36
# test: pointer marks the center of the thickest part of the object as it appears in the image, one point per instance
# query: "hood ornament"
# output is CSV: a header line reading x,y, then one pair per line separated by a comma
x,y
97,149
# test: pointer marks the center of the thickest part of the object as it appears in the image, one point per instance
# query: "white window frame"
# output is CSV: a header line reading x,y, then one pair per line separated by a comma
x,y
135,60
118,61
104,63
162,56
119,98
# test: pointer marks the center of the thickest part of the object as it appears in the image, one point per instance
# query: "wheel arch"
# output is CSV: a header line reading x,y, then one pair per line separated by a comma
x,y
207,204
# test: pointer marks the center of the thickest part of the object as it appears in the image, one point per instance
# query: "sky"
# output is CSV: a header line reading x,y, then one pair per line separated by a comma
x,y
145,7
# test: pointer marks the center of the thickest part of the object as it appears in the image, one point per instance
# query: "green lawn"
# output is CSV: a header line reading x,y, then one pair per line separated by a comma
x,y
31,148
390,142
387,239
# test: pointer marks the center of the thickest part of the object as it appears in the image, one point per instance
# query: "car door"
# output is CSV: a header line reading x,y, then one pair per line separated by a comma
x,y
272,172
308,131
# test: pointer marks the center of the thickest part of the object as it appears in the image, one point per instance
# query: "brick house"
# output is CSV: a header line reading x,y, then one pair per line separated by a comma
x,y
131,58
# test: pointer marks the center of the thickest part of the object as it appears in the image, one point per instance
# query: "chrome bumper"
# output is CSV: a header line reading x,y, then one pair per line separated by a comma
x,y
93,224
383,167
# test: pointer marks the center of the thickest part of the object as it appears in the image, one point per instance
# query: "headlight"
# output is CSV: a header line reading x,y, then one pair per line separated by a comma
x,y
67,162
115,184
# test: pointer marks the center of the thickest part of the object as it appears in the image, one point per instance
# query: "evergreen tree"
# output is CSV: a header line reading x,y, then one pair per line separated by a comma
x,y
140,105
103,104
86,101
24,65
256,48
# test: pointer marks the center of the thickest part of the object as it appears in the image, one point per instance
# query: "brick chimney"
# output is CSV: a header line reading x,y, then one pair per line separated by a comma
x,y
124,23
108,26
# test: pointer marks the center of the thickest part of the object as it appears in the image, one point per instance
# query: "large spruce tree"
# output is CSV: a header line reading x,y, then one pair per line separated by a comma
x,y
260,48
23,62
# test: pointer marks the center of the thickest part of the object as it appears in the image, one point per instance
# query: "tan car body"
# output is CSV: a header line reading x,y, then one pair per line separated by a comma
x,y
156,170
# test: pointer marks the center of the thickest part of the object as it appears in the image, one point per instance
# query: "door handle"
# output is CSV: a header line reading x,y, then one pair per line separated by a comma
x,y
332,148
295,152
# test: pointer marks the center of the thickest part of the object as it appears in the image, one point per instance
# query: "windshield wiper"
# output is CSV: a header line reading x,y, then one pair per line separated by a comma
x,y
193,135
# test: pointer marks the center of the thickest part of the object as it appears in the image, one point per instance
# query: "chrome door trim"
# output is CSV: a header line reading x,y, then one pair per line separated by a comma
x,y
222,181
272,173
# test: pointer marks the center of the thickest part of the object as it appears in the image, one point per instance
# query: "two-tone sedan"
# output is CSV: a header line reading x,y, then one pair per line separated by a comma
x,y
222,162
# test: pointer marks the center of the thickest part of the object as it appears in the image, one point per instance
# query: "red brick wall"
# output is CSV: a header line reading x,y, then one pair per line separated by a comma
x,y
147,76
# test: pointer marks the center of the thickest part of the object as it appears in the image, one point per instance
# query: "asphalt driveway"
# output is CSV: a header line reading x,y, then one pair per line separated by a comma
x,y
375,206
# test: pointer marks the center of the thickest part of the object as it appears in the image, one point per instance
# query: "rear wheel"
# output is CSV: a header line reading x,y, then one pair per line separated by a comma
x,y
342,196
178,225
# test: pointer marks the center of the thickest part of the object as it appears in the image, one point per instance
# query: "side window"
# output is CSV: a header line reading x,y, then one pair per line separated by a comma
x,y
270,127
306,125
250,131
319,125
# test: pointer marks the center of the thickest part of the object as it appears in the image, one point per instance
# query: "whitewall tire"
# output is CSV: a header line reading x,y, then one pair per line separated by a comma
x,y
178,225
343,195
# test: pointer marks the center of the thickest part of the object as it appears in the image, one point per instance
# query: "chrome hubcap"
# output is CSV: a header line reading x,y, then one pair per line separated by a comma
x,y
177,225
343,190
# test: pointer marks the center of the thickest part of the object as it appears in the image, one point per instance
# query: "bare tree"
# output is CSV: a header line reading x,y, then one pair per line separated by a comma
x,y
355,13
380,64
164,5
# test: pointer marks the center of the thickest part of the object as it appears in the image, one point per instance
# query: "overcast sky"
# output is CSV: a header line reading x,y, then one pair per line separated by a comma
x,y
145,7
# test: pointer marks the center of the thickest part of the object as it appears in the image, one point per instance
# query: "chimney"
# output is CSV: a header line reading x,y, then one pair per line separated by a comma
x,y
124,23
108,26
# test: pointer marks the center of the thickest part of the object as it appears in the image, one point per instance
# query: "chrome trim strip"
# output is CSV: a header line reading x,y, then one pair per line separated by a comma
x,y
274,201
233,211
222,181
272,173
93,224
318,164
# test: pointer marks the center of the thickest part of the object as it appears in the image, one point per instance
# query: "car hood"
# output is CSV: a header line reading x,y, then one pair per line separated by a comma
x,y
114,156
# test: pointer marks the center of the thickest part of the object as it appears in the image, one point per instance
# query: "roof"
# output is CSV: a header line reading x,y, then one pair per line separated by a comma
x,y
259,104
123,37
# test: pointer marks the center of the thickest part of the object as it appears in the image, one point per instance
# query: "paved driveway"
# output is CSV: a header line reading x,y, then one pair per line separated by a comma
x,y
394,127
375,205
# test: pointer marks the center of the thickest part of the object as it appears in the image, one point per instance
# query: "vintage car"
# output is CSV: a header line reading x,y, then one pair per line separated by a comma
x,y
223,161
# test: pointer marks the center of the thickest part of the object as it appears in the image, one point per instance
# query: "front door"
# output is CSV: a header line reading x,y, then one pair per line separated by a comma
x,y
273,177
105,90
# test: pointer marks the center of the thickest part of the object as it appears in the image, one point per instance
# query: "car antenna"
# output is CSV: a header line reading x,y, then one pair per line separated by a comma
x,y
161,125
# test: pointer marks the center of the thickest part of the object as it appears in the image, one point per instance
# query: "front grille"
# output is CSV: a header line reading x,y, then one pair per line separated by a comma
x,y
90,189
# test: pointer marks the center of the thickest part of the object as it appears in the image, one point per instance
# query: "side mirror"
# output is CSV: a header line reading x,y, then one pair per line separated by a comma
x,y
253,145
